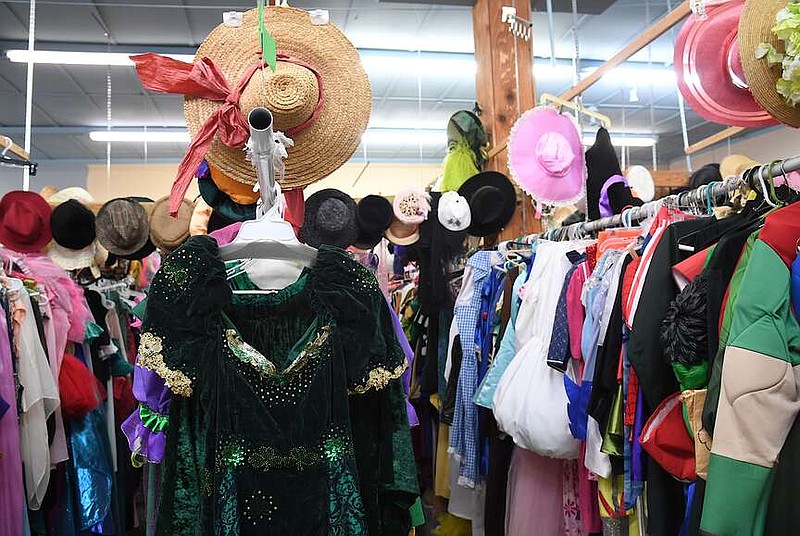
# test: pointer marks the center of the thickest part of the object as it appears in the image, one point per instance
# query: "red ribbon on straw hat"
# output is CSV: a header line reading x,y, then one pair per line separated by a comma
x,y
205,80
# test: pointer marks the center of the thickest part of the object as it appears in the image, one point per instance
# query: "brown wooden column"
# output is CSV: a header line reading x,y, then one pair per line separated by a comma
x,y
505,89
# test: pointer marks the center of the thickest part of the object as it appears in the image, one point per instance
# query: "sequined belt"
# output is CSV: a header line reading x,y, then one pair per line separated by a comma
x,y
332,446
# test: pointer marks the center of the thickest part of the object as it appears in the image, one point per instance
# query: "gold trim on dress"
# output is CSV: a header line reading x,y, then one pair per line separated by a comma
x,y
150,357
379,378
247,354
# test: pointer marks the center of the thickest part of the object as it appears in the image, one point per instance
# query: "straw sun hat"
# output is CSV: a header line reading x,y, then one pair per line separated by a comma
x,y
291,93
755,28
319,96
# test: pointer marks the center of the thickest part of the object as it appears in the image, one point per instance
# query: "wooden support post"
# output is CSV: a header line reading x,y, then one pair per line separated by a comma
x,y
505,88
645,38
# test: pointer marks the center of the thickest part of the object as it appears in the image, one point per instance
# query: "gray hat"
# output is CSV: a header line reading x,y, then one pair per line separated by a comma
x,y
330,218
122,226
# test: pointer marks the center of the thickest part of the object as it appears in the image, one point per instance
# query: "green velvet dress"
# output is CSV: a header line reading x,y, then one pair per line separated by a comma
x,y
288,416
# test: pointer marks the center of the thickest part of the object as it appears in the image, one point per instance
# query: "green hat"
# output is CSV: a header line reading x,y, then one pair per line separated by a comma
x,y
466,126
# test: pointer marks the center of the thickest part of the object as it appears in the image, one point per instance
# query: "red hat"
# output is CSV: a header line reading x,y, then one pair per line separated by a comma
x,y
709,69
25,221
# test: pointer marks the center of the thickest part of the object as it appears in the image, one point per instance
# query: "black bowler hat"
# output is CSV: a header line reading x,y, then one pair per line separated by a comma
x,y
373,216
330,219
492,202
72,225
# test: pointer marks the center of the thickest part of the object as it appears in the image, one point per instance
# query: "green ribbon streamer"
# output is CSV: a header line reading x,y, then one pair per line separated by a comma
x,y
153,421
269,50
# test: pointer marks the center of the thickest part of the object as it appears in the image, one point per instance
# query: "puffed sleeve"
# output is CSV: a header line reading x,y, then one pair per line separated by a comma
x,y
351,294
185,298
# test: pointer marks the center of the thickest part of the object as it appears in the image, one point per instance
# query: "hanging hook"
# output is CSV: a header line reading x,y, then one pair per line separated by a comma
x,y
763,185
8,143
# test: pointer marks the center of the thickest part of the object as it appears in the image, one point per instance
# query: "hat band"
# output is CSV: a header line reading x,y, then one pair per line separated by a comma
x,y
204,79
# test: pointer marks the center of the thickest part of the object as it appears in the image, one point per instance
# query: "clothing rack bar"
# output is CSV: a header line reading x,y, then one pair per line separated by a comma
x,y
547,98
698,195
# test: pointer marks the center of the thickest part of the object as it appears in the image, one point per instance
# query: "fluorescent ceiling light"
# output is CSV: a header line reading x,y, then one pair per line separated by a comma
x,y
63,57
619,139
141,136
375,137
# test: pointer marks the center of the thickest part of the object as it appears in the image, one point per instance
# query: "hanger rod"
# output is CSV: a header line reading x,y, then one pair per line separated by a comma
x,y
264,154
697,195
548,98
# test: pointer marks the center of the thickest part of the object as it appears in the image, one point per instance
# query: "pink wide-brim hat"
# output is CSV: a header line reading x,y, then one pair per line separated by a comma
x,y
545,156
709,69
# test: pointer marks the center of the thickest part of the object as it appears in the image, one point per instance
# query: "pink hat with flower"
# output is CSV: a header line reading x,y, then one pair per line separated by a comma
x,y
545,156
411,206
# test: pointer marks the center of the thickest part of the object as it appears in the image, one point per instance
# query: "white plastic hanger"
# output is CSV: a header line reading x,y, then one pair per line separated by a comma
x,y
269,236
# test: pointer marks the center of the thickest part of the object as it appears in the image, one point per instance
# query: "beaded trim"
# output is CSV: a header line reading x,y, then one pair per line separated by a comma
x,y
379,378
247,354
150,357
333,446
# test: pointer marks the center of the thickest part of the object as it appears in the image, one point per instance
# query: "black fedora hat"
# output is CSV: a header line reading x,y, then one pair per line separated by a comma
x,y
330,219
492,201
72,225
374,214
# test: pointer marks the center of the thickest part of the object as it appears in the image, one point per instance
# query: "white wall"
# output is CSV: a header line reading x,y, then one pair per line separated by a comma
x,y
154,180
772,144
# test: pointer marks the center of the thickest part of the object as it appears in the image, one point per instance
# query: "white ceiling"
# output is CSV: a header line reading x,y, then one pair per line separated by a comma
x,y
69,101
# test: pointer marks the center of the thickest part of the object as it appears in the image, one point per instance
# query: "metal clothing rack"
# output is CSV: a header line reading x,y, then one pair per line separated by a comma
x,y
698,196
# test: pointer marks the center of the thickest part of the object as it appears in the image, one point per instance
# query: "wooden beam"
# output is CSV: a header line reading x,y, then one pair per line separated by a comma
x,y
645,38
670,179
505,88
13,148
642,40
714,139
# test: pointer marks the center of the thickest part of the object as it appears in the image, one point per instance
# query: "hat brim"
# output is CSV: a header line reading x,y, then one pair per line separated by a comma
x,y
402,240
144,251
71,259
314,236
509,206
330,141
702,75
526,168
367,242
755,27
406,240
